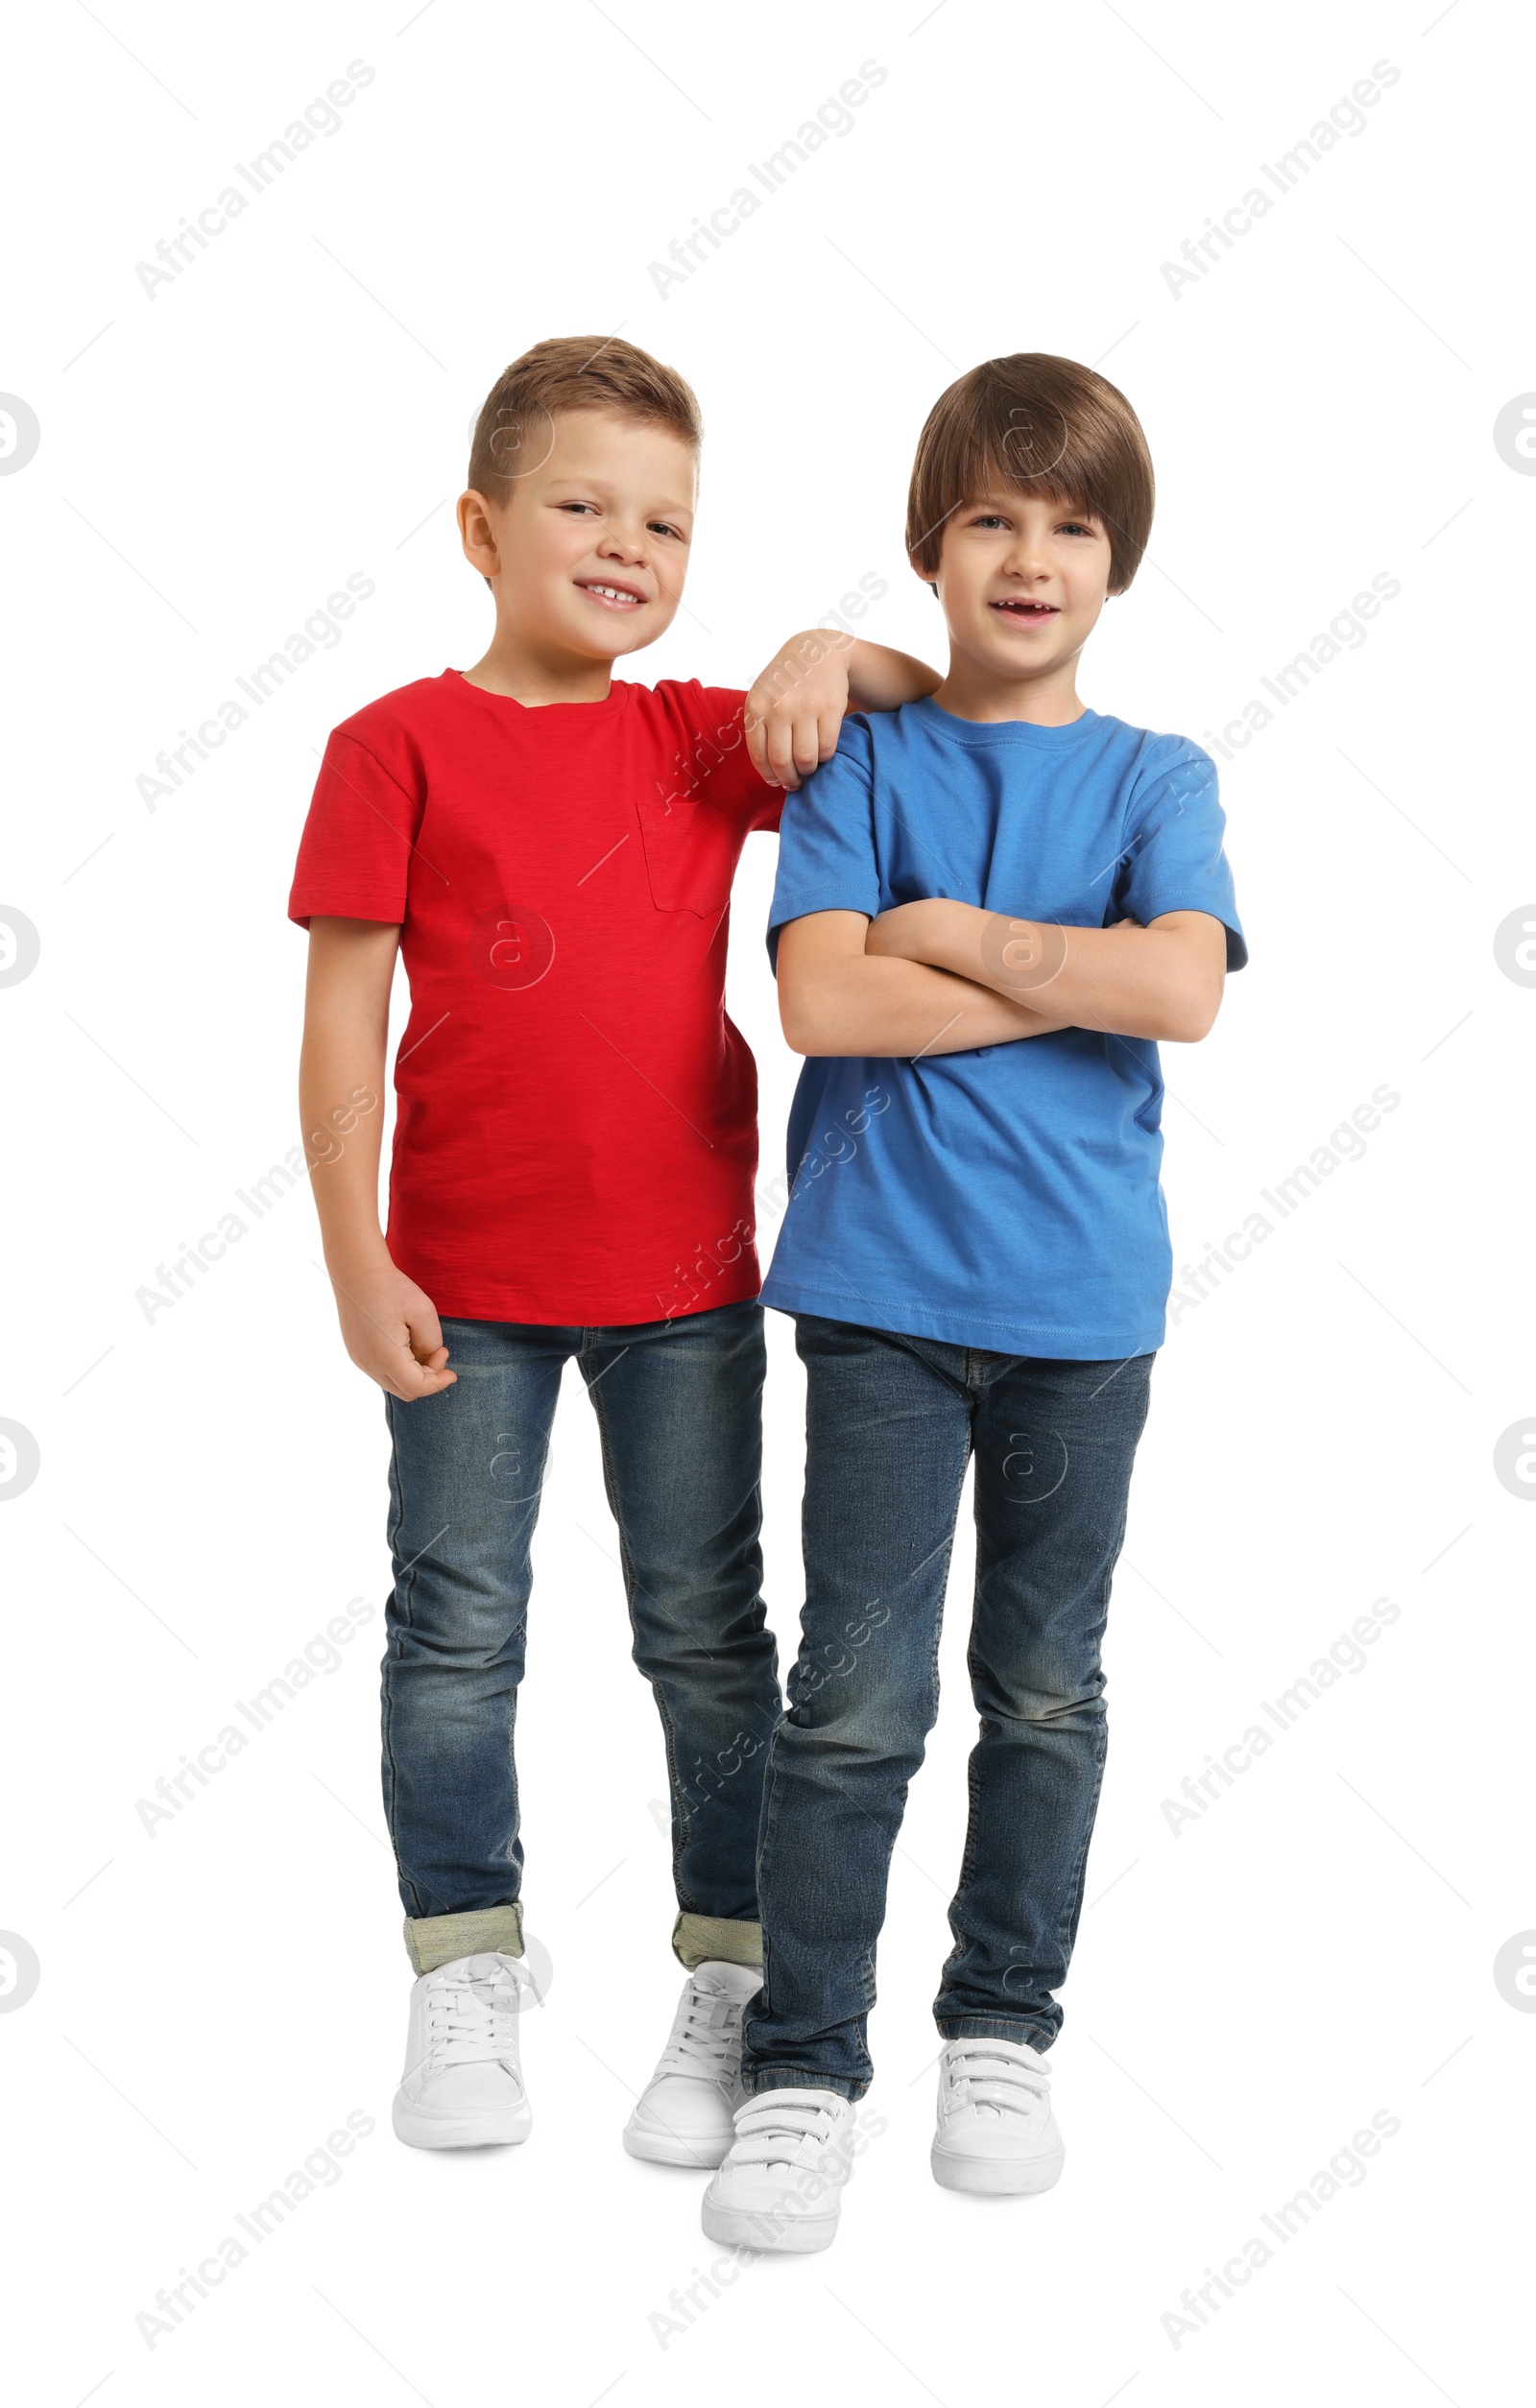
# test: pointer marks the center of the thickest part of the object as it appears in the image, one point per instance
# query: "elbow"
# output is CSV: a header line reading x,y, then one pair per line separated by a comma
x,y
819,1007
810,1043
1192,1015
799,1023
812,1034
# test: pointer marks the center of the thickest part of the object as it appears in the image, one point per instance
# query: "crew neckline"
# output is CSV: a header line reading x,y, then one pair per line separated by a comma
x,y
614,700
1002,731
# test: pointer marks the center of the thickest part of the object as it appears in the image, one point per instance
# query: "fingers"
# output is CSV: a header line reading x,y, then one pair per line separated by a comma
x,y
408,1380
393,1332
424,1371
424,1327
782,764
770,738
757,736
795,710
798,739
805,741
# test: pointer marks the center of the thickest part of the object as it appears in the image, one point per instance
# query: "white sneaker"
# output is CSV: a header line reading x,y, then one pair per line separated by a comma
x,y
683,2117
781,2186
996,2131
463,2082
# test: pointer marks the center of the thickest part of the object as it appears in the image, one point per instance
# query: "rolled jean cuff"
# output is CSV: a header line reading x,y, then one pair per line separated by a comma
x,y
798,2078
697,1939
995,2028
434,1940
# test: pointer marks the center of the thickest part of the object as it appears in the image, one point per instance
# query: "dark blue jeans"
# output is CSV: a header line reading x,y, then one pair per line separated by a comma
x,y
678,1409
891,1424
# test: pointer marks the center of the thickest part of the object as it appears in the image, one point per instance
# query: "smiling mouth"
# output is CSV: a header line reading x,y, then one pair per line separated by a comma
x,y
612,597
1029,612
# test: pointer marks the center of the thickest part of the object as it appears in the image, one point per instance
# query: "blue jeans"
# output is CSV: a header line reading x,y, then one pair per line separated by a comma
x,y
679,1410
891,1424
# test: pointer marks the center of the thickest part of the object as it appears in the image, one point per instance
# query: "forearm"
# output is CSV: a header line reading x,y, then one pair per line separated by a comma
x,y
390,1325
888,1008
1162,982
341,1092
340,1085
881,680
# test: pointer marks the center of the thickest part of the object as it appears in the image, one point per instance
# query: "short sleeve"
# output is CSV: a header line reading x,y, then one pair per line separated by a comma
x,y
715,768
354,855
827,857
1173,859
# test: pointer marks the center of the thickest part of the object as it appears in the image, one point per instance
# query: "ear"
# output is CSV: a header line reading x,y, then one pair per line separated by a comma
x,y
477,534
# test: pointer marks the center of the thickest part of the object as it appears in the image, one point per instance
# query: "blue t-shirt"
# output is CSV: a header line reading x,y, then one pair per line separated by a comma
x,y
1006,1198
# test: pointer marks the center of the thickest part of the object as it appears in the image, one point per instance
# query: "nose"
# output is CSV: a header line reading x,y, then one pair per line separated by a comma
x,y
618,546
1029,558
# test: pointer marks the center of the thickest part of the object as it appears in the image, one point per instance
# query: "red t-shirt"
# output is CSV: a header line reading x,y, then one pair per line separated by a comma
x,y
576,1139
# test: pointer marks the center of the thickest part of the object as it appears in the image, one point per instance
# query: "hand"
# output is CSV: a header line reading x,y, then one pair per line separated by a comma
x,y
391,1328
795,708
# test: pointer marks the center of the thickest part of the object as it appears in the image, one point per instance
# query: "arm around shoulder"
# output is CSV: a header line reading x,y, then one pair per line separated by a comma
x,y
796,706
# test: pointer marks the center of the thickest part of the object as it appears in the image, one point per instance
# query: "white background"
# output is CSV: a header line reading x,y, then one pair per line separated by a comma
x,y
1318,1944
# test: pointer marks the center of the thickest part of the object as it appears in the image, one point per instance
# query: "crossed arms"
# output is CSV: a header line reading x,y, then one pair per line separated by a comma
x,y
939,977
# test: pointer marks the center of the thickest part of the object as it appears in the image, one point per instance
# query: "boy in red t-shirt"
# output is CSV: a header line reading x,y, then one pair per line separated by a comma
x,y
575,1151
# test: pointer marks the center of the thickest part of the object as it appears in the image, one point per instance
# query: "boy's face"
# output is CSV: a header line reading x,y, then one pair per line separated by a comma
x,y
1022,580
588,550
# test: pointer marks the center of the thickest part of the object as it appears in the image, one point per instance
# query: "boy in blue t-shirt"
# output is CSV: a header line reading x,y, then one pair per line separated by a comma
x,y
991,905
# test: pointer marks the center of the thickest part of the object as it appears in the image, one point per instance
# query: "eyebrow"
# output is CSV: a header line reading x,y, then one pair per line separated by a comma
x,y
1005,504
598,490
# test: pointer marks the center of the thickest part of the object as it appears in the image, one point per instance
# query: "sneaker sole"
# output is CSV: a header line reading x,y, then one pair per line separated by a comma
x,y
670,2149
745,2228
421,2131
1016,2177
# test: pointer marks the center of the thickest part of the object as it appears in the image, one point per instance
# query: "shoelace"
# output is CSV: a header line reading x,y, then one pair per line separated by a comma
x,y
977,2074
469,2012
705,2037
772,2133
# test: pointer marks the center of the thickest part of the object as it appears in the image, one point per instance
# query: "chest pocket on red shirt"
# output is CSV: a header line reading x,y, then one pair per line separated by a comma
x,y
691,849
